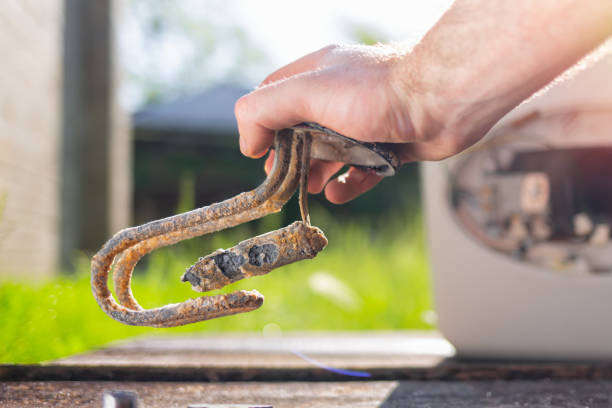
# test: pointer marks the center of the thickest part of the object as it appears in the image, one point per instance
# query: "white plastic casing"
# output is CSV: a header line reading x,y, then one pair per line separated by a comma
x,y
490,305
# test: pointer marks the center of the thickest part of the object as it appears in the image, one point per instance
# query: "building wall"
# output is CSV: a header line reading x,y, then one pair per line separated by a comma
x,y
65,147
30,112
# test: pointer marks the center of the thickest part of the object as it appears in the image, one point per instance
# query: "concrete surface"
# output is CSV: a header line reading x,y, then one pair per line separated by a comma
x,y
405,369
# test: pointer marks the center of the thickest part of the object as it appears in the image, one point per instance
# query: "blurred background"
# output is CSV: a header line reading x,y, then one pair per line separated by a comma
x,y
115,113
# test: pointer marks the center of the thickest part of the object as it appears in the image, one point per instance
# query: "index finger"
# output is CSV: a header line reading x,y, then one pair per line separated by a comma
x,y
278,105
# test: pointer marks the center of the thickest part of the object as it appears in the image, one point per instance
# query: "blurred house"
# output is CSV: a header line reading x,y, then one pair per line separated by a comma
x,y
64,145
186,154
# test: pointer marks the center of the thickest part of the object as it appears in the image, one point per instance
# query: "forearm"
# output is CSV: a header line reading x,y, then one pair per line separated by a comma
x,y
484,57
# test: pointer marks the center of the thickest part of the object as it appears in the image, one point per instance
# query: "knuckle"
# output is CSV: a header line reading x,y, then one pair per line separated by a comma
x,y
269,79
329,50
331,47
241,107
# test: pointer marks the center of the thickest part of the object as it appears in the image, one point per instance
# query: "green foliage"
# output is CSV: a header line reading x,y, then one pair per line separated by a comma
x,y
186,193
373,275
363,34
170,48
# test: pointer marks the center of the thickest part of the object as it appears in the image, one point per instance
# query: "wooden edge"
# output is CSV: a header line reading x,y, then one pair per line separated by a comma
x,y
449,370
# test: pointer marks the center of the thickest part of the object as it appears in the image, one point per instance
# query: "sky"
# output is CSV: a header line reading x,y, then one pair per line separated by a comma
x,y
281,31
290,29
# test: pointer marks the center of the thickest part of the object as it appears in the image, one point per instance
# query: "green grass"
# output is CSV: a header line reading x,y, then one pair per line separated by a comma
x,y
371,276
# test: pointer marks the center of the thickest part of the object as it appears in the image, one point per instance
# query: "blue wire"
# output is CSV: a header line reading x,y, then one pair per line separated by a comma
x,y
341,371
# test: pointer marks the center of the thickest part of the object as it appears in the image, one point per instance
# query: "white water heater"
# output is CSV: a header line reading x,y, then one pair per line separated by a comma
x,y
519,228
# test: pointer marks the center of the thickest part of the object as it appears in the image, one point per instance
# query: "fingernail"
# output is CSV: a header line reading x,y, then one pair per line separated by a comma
x,y
243,146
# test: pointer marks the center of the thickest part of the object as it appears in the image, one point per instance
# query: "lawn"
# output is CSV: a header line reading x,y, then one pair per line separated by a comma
x,y
373,275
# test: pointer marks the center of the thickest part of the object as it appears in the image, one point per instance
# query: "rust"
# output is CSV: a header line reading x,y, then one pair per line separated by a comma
x,y
255,256
303,194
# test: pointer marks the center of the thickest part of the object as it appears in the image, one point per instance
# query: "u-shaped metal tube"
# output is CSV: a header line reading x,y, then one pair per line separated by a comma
x,y
131,244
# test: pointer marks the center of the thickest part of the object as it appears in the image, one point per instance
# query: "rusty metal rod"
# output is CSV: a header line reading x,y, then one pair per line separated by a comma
x,y
246,207
131,244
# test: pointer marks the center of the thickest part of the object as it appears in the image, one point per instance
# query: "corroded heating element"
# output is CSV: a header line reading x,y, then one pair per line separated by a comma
x,y
255,256
130,245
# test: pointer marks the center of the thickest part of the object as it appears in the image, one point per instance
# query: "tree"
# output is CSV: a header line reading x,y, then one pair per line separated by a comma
x,y
174,47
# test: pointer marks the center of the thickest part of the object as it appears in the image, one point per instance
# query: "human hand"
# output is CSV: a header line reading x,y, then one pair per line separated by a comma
x,y
351,89
363,92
